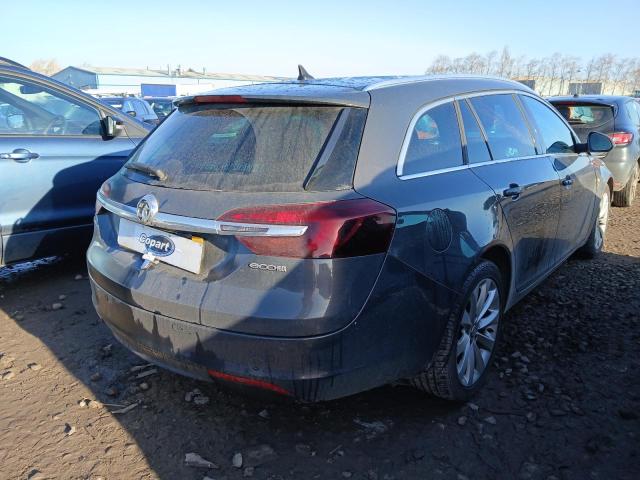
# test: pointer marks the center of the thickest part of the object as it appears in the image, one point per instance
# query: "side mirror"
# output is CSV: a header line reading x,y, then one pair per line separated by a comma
x,y
110,126
131,112
16,121
30,89
599,143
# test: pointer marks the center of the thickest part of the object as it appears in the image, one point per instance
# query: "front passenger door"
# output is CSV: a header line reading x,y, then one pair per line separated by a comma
x,y
577,176
524,182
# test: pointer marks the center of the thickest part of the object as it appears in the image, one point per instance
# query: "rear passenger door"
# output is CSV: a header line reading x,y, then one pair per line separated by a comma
x,y
577,176
525,182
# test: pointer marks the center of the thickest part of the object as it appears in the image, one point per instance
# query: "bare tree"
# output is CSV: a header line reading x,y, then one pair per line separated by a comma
x,y
441,64
47,66
505,63
489,58
552,75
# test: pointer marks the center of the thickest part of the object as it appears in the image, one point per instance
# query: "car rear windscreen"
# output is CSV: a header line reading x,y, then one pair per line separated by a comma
x,y
270,148
586,117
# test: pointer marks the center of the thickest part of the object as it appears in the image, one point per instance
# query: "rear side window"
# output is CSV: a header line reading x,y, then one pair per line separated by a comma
x,y
554,134
435,142
254,148
477,150
506,128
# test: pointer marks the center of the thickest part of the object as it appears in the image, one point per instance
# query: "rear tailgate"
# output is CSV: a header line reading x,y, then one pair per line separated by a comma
x,y
237,198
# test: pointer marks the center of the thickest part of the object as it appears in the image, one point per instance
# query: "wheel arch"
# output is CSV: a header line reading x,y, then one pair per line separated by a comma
x,y
500,256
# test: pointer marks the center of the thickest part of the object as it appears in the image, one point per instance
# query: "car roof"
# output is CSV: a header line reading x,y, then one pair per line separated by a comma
x,y
355,90
380,82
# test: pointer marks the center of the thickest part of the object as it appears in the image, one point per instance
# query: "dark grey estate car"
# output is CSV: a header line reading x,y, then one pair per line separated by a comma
x,y
319,238
619,118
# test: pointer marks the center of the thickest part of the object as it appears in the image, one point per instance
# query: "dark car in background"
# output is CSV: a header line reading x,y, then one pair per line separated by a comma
x,y
619,118
323,237
134,107
57,146
163,106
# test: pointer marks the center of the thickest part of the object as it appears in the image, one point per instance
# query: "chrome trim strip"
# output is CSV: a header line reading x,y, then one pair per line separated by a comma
x,y
169,221
469,166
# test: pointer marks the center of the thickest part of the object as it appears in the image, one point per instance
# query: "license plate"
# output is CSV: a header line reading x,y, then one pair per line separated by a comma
x,y
168,248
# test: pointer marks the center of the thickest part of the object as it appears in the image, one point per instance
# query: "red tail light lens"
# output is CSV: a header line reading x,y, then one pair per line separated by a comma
x,y
343,228
621,138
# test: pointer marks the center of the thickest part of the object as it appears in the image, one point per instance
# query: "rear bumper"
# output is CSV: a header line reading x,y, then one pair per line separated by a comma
x,y
392,338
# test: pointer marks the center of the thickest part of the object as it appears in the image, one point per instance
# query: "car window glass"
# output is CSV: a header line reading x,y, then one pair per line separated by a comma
x,y
435,142
555,135
127,106
477,150
141,110
30,109
506,129
634,108
585,115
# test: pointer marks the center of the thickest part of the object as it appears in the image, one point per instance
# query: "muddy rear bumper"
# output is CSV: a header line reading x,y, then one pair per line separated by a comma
x,y
384,344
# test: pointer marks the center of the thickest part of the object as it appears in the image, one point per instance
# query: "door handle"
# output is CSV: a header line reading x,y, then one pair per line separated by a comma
x,y
20,155
567,182
513,191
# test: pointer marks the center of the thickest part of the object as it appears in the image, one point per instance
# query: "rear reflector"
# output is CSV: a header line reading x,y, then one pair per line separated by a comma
x,y
621,138
219,99
343,228
251,382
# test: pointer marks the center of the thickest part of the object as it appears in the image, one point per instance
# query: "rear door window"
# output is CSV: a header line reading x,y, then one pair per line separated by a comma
x,y
552,131
254,148
507,131
477,150
434,142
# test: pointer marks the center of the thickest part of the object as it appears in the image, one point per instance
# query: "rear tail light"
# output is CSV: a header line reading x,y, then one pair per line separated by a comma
x,y
343,228
621,138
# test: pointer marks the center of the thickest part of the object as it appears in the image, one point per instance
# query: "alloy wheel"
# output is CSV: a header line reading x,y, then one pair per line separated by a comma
x,y
478,332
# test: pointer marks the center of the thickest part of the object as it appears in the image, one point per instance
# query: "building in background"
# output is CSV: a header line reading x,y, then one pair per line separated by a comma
x,y
559,86
147,82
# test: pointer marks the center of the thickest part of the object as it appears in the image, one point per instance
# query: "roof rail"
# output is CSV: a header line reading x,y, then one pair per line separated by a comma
x,y
6,61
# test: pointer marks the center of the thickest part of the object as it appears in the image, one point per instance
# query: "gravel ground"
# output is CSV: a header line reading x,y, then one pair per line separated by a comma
x,y
562,403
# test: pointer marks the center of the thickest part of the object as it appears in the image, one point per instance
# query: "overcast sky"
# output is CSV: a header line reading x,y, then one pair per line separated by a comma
x,y
328,37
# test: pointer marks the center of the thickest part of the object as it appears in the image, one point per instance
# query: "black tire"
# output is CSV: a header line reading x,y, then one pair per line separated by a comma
x,y
625,197
441,376
595,243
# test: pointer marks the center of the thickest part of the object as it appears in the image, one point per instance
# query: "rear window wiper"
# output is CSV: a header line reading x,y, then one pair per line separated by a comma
x,y
149,170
